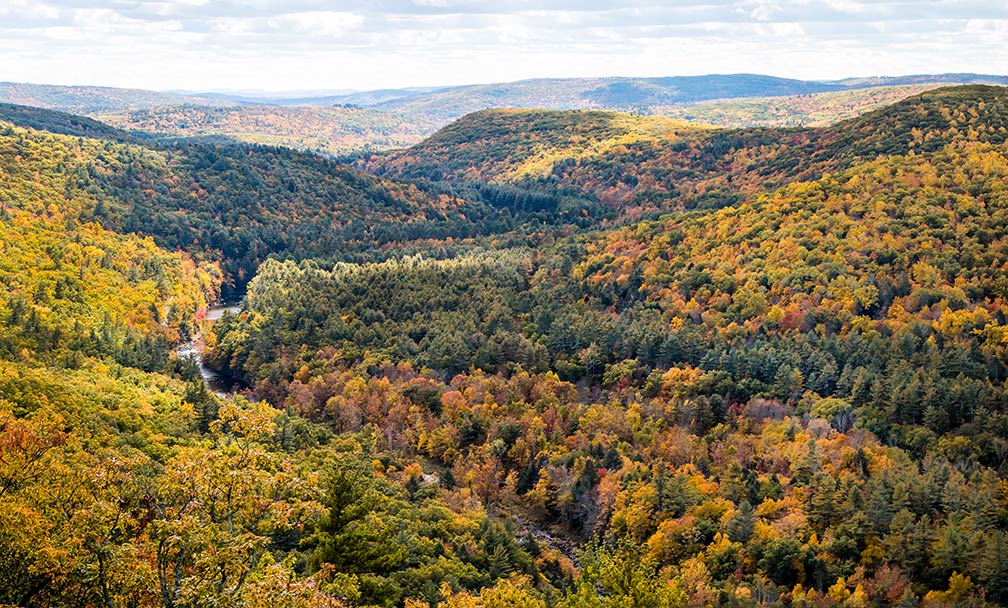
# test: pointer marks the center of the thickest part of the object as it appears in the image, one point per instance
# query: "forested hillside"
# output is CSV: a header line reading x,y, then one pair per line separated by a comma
x,y
333,130
368,121
787,278
61,122
798,398
499,385
235,204
125,482
644,95
648,167
808,110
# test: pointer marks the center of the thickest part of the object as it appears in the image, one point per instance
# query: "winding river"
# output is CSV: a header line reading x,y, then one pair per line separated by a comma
x,y
220,385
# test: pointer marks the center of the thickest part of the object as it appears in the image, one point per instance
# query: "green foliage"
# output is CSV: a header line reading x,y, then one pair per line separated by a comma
x,y
234,205
622,577
62,123
648,164
91,292
344,538
795,400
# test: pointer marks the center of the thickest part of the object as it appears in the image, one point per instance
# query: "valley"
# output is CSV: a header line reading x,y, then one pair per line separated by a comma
x,y
735,341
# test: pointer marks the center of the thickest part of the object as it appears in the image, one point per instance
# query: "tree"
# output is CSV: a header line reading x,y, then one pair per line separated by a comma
x,y
621,576
353,535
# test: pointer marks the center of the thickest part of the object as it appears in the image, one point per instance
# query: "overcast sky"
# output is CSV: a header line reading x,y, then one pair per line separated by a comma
x,y
365,44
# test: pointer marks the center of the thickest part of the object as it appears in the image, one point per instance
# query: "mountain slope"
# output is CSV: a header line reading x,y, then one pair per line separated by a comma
x,y
62,123
690,167
509,145
595,93
802,395
236,205
396,118
922,123
343,130
889,243
71,287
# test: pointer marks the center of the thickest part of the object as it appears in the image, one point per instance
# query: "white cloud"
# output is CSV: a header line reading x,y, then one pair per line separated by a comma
x,y
300,44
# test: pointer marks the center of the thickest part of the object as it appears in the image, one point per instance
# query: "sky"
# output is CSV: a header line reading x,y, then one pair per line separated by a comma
x,y
314,45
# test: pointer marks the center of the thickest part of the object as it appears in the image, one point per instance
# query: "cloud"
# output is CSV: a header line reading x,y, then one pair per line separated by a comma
x,y
291,44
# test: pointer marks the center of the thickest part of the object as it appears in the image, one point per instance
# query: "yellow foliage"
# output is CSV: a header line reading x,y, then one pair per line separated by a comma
x,y
838,591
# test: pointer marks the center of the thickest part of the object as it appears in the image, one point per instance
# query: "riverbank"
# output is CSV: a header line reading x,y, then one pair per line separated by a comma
x,y
221,386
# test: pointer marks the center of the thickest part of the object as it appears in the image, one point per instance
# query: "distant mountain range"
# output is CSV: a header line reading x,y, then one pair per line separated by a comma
x,y
617,93
394,118
95,100
643,94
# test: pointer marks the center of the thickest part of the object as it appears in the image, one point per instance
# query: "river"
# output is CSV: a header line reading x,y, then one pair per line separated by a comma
x,y
214,313
220,385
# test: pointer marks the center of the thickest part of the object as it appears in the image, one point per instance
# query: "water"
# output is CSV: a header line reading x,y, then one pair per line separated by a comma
x,y
220,385
214,313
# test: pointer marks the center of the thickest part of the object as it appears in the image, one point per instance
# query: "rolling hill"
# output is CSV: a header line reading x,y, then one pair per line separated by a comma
x,y
93,100
394,118
811,110
792,395
640,164
234,204
786,386
595,93
62,123
640,95
332,130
